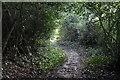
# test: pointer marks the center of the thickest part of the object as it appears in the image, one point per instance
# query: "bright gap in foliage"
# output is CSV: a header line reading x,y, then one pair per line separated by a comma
x,y
56,35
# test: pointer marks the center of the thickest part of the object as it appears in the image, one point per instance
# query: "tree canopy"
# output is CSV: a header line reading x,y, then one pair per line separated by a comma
x,y
29,27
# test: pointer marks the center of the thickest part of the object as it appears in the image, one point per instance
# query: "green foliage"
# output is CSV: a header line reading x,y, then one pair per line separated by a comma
x,y
98,61
53,57
107,21
94,51
27,27
79,27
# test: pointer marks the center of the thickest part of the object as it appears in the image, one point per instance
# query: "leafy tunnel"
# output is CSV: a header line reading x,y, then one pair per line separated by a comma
x,y
35,35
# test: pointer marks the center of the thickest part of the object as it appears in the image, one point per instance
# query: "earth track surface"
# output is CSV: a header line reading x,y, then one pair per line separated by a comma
x,y
72,67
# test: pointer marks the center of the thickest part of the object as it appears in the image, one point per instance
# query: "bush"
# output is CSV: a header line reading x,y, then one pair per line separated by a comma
x,y
98,61
53,57
94,50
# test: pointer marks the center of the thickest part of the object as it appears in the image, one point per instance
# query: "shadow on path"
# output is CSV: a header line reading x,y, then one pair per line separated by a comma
x,y
72,67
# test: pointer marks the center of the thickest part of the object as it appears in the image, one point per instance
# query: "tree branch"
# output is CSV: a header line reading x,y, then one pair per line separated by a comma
x,y
13,26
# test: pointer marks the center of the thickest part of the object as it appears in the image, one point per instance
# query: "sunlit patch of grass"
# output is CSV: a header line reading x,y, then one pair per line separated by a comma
x,y
53,57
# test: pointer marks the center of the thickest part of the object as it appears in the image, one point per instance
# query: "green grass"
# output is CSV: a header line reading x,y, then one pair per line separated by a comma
x,y
98,61
54,57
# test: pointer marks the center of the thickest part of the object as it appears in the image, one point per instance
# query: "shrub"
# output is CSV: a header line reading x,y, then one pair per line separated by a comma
x,y
53,57
98,61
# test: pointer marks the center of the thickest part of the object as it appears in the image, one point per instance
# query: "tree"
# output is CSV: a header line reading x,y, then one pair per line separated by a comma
x,y
25,24
107,14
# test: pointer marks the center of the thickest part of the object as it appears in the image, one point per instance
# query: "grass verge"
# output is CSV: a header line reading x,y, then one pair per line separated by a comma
x,y
53,56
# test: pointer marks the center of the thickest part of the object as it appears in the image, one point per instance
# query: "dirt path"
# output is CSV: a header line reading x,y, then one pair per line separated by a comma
x,y
72,67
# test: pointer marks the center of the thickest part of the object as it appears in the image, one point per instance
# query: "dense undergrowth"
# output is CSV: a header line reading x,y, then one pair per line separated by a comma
x,y
53,57
98,65
97,57
96,61
28,29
